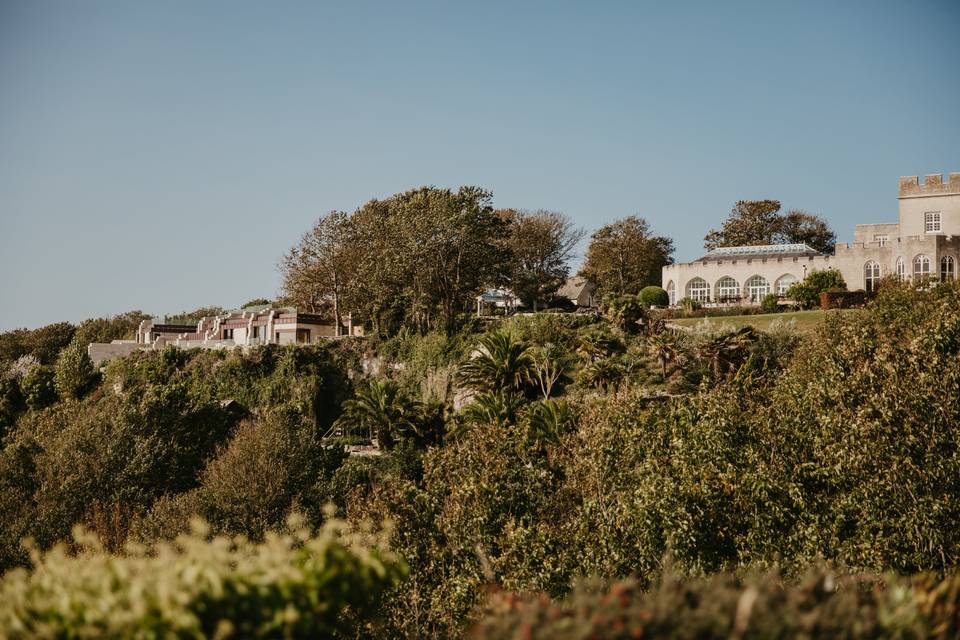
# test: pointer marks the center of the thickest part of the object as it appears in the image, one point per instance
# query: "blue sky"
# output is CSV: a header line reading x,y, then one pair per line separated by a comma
x,y
163,155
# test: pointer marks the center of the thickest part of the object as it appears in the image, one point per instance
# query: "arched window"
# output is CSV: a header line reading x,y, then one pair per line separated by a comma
x,y
699,290
921,266
901,269
946,268
756,288
784,283
871,275
672,293
728,289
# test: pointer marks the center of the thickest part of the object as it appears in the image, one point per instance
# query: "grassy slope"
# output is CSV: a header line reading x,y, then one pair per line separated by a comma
x,y
804,320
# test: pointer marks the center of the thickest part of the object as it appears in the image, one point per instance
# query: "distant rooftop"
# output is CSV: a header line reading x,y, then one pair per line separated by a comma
x,y
760,251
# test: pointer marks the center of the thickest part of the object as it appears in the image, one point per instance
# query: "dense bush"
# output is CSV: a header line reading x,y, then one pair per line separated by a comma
x,y
295,585
626,312
74,374
770,303
822,605
653,296
807,292
43,343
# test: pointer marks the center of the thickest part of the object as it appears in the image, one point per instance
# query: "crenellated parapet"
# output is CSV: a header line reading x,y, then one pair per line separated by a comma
x,y
933,184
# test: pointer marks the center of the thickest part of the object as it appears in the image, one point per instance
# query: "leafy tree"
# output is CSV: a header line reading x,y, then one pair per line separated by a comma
x,y
193,317
625,256
806,228
43,343
500,362
807,292
753,222
603,374
381,411
119,327
74,372
256,302
319,269
653,296
425,254
541,244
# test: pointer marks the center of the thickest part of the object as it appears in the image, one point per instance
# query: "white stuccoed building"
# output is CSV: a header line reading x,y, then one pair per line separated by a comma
x,y
925,242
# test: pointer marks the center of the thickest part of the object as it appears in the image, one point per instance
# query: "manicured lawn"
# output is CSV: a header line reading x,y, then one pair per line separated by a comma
x,y
803,320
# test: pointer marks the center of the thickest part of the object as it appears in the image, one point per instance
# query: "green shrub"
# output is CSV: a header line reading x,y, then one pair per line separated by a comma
x,y
267,468
74,373
624,311
770,303
807,292
653,296
822,605
38,387
297,585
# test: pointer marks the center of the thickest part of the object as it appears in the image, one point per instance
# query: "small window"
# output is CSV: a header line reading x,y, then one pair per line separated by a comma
x,y
228,334
921,266
947,268
672,292
871,276
901,270
931,222
881,239
256,331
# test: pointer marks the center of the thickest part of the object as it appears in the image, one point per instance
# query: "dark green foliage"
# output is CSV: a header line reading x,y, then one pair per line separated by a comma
x,y
653,296
256,302
770,303
821,605
807,292
192,317
500,363
626,312
38,387
43,343
74,374
119,327
268,468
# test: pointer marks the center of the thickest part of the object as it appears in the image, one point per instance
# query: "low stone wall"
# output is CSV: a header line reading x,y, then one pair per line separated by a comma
x,y
101,352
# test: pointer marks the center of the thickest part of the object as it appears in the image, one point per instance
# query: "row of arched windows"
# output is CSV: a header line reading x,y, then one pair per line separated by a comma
x,y
727,289
921,269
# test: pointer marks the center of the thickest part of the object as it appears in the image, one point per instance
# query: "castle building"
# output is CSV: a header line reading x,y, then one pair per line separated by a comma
x,y
924,242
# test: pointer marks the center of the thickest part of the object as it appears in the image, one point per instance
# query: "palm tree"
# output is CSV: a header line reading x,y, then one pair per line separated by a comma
x,y
549,420
666,347
499,362
381,412
725,352
493,407
595,345
602,374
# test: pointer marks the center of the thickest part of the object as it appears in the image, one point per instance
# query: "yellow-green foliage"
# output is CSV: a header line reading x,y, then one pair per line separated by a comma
x,y
292,585
821,605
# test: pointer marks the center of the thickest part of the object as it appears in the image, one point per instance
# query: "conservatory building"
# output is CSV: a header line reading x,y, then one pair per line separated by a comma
x,y
925,242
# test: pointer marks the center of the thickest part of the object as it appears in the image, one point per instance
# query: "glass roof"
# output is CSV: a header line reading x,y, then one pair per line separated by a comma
x,y
761,249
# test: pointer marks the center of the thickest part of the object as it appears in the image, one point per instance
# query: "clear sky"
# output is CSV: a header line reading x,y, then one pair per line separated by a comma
x,y
163,155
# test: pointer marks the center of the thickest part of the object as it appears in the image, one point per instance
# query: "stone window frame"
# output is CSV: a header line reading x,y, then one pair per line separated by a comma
x,y
921,266
754,291
781,281
932,222
901,268
948,268
701,293
881,239
871,275
727,291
